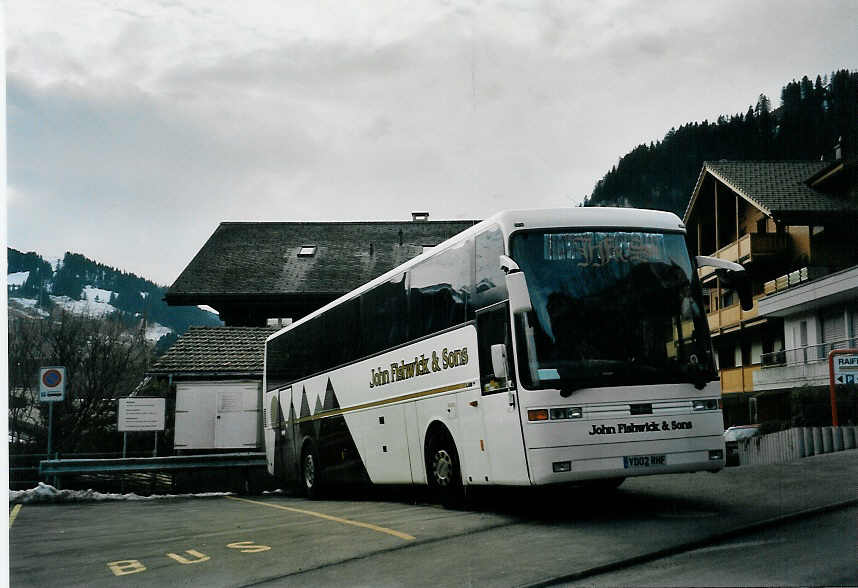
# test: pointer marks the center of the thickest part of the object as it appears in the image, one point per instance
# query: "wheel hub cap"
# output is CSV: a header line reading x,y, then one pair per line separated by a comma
x,y
309,471
442,466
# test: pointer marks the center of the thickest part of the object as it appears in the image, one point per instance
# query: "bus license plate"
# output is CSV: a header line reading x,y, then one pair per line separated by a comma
x,y
644,461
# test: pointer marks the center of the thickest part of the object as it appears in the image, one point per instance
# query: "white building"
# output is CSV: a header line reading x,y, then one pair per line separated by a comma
x,y
818,316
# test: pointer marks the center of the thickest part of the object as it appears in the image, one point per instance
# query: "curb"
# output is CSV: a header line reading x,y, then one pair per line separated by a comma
x,y
691,546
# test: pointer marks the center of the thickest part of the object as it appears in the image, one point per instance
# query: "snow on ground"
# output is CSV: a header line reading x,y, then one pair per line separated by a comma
x,y
94,294
17,278
45,493
28,303
88,307
154,332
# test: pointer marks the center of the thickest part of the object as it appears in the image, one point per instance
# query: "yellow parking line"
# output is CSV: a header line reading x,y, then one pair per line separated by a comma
x,y
15,510
320,515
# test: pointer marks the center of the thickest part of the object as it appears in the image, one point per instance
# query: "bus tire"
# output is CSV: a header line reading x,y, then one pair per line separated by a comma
x,y
442,469
311,479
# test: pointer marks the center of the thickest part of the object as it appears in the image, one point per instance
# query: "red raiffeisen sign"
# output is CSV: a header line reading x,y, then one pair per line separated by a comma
x,y
846,369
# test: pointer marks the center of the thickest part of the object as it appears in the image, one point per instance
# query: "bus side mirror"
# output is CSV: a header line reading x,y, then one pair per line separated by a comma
x,y
499,361
519,295
516,285
733,276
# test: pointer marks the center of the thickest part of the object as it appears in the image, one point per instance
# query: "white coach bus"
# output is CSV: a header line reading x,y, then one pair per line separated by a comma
x,y
537,347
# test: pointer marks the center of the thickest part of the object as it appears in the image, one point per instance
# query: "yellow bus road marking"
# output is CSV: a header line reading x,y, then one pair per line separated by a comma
x,y
320,515
123,567
14,514
198,557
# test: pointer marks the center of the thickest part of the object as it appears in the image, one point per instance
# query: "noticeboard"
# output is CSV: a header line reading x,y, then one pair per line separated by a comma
x,y
141,414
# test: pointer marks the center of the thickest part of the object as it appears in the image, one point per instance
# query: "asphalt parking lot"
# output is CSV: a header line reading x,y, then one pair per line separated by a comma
x,y
385,538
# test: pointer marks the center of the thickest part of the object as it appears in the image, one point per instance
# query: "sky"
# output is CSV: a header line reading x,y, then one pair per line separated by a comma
x,y
134,128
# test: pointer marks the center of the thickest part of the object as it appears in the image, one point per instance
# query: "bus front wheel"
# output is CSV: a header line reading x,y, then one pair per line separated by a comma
x,y
444,473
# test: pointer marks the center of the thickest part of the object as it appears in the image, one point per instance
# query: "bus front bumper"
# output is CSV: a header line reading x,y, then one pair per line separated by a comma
x,y
558,465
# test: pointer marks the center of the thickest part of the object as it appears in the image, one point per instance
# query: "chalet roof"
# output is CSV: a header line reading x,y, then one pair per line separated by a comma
x,y
262,258
216,351
775,187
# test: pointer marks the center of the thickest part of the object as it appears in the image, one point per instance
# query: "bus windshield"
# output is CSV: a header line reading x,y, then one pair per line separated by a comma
x,y
610,308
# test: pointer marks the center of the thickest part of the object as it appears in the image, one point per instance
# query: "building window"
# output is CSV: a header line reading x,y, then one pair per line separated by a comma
x,y
307,251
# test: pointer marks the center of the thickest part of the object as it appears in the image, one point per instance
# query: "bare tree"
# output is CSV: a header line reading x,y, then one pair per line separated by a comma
x,y
104,359
25,352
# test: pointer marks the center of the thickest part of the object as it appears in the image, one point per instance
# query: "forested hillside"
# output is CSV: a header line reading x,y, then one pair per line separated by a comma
x,y
101,289
812,117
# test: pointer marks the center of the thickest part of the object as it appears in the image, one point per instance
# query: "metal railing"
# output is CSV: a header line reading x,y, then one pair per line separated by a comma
x,y
135,470
806,354
24,467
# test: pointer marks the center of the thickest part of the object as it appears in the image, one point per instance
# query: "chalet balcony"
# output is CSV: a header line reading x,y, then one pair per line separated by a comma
x,y
738,379
748,247
732,316
803,366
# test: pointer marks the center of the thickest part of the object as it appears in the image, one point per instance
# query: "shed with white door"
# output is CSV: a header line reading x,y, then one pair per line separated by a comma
x,y
217,374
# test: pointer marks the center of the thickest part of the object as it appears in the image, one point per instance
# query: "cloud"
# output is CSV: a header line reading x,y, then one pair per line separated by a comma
x,y
135,128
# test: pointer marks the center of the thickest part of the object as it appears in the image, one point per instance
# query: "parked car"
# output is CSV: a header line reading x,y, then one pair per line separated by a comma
x,y
733,435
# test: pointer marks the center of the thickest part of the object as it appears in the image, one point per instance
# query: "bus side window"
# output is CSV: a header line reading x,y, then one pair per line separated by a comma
x,y
439,291
492,329
383,312
490,280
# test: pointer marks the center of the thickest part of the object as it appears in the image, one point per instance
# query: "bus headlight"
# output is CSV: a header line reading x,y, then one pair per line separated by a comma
x,y
555,414
569,412
707,404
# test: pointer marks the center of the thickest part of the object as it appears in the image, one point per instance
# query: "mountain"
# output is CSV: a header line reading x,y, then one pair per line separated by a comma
x,y
813,117
83,286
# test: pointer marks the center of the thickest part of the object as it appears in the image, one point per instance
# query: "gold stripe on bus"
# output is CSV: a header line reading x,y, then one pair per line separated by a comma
x,y
375,403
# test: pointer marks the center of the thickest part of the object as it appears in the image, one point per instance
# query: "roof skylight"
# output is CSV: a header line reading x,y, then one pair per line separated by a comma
x,y
307,251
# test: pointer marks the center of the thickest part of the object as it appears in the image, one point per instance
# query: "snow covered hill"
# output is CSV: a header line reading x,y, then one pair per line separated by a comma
x,y
79,285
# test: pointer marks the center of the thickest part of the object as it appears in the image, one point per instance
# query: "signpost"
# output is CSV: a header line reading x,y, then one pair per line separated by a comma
x,y
52,388
141,414
842,369
52,384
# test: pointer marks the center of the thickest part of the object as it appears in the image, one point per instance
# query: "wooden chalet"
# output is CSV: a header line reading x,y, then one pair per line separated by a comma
x,y
776,218
254,273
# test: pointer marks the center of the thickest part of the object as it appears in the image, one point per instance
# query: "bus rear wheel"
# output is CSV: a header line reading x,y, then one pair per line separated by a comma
x,y
310,472
444,473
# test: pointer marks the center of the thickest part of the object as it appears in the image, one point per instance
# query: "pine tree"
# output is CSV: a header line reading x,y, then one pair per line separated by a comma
x,y
807,125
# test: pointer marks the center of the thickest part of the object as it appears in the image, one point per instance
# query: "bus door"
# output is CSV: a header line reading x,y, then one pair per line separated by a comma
x,y
499,398
286,437
271,412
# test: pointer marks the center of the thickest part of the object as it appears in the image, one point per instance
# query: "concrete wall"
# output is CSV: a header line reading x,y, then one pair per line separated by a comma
x,y
791,376
795,443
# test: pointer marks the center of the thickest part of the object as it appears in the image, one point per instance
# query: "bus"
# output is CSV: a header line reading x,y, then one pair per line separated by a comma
x,y
537,347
